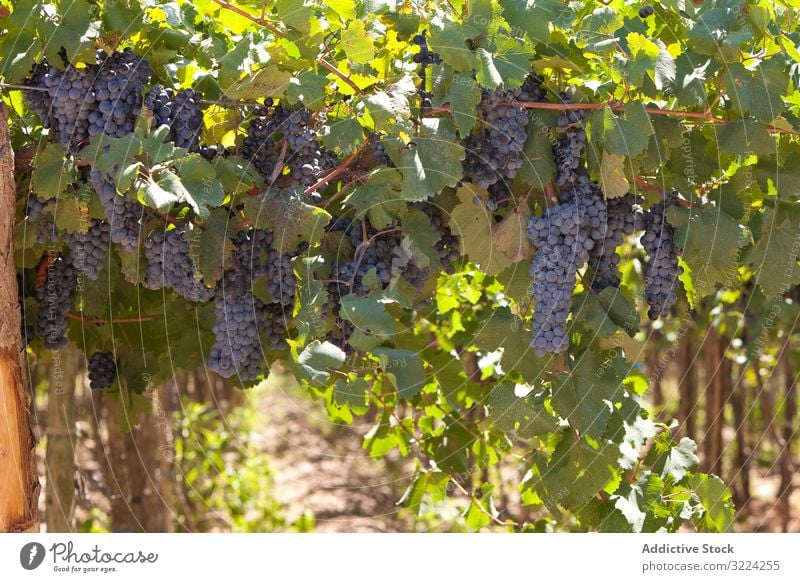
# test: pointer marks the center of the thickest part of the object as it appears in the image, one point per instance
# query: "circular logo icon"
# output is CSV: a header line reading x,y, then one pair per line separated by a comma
x,y
31,555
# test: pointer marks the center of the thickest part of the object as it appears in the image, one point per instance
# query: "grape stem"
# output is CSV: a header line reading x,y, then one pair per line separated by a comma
x,y
336,171
269,25
321,60
84,319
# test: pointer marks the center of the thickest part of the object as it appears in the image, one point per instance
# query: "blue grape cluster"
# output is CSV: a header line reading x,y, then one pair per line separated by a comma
x,y
181,112
170,265
125,216
118,87
79,103
564,236
274,125
568,151
494,151
379,151
40,212
424,58
89,249
603,258
237,348
242,319
55,299
102,370
272,320
661,270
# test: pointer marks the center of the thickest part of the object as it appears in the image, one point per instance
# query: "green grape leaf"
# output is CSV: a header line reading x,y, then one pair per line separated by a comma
x,y
237,175
502,329
352,392
214,248
296,14
163,194
269,81
68,215
52,172
644,54
421,237
203,190
75,31
538,165
404,370
391,106
288,217
513,411
612,176
21,49
368,314
534,16
346,9
357,44
625,136
585,397
716,500
760,92
509,62
508,236
344,134
307,89
576,472
317,359
710,240
746,137
464,96
474,224
382,188
120,153
774,256
450,40
691,73
430,163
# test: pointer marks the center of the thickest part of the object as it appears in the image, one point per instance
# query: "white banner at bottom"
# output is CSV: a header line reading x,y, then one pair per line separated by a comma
x,y
399,557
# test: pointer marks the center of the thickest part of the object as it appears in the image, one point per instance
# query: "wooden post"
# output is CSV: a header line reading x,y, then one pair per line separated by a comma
x,y
19,483
60,457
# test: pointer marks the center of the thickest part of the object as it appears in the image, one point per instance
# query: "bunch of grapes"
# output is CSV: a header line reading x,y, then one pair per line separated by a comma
x,y
118,88
661,271
71,100
236,348
564,236
424,58
270,128
379,151
38,96
603,258
41,212
370,267
494,151
124,215
181,112
272,322
55,300
102,370
89,249
570,167
241,318
170,265
80,103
